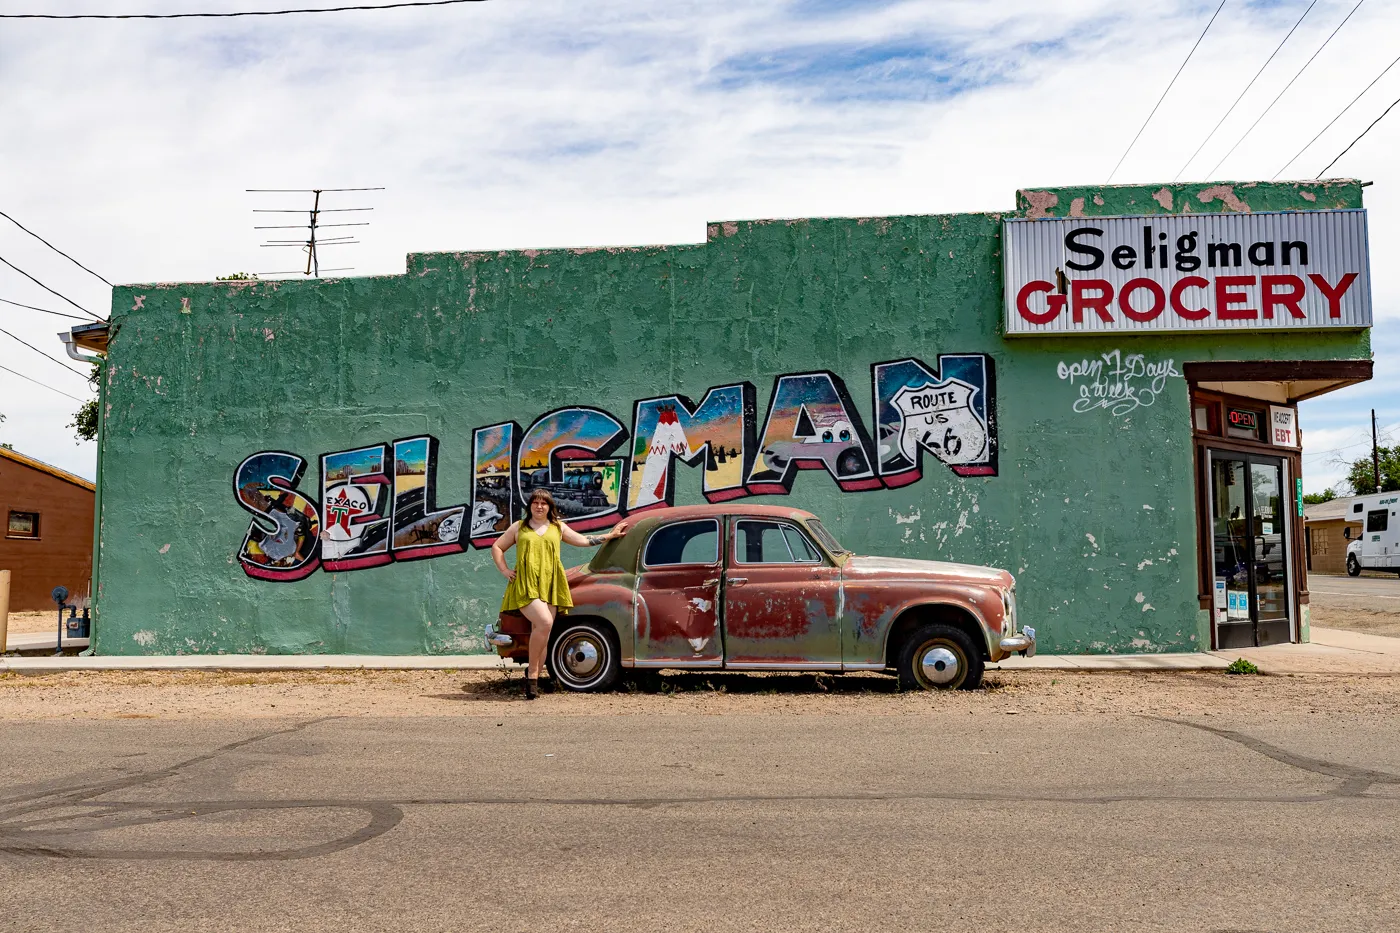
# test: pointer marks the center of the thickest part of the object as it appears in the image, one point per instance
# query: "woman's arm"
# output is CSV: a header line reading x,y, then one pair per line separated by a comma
x,y
577,540
503,544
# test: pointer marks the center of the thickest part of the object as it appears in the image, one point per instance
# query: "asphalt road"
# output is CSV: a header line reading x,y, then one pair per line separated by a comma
x,y
1245,821
1369,584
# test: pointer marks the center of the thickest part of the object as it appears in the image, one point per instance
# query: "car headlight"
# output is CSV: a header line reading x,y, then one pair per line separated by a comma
x,y
1008,604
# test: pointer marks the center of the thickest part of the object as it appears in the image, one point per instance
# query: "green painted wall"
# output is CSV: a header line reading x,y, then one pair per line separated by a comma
x,y
1094,514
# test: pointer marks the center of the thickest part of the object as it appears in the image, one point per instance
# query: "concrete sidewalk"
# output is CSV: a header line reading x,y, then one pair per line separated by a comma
x,y
1331,652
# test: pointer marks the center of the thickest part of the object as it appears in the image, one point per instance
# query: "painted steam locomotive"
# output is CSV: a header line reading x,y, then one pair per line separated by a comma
x,y
579,484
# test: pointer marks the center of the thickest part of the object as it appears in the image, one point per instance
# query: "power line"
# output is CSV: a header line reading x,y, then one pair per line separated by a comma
x,y
71,317
38,383
331,9
50,290
1337,117
1167,91
1285,88
52,247
42,353
1217,126
1358,139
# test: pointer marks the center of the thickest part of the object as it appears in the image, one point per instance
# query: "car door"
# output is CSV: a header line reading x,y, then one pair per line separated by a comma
x,y
780,599
1373,545
677,623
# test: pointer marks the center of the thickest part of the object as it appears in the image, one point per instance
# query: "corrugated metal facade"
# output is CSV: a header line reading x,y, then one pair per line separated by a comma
x,y
1036,251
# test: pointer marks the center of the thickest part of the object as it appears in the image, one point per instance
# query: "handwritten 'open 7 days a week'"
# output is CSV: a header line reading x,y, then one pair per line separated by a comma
x,y
1117,383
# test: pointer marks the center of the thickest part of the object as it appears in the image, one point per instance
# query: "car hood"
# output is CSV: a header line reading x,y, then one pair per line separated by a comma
x,y
904,568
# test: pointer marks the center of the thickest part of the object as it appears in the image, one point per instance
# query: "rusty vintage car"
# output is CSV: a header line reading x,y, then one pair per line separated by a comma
x,y
766,588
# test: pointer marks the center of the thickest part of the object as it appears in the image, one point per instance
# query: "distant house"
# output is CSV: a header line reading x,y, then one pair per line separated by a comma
x,y
48,530
1326,525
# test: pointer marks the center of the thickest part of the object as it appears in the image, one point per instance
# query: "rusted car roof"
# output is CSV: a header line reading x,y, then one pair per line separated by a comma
x,y
723,508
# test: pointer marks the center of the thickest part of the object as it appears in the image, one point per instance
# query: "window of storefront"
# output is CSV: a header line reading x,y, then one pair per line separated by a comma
x,y
1242,423
22,525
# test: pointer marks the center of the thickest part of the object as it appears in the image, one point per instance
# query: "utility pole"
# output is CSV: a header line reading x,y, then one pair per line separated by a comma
x,y
1375,453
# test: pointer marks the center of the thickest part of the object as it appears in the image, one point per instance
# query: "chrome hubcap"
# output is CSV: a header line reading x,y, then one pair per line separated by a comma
x,y
939,665
582,656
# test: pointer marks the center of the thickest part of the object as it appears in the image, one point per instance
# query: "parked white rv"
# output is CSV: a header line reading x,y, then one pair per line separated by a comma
x,y
1378,545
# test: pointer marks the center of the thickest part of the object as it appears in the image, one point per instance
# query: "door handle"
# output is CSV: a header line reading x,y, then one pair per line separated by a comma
x,y
737,581
710,582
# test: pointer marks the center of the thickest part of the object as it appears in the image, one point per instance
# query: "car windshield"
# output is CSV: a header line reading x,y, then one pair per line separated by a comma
x,y
825,537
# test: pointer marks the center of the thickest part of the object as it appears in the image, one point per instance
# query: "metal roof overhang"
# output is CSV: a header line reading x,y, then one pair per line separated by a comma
x,y
1281,381
90,337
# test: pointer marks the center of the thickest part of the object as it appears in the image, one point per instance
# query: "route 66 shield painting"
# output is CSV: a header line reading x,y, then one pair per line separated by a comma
x,y
939,416
950,413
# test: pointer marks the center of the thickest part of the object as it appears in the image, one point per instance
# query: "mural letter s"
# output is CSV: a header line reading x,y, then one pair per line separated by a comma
x,y
283,542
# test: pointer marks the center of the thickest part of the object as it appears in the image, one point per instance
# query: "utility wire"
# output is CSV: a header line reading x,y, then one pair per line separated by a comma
x,y
1337,117
330,9
1358,139
1285,89
50,290
1217,126
42,353
1167,91
71,317
38,383
52,247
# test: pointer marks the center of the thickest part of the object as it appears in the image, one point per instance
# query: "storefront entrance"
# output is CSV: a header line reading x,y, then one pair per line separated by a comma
x,y
1252,544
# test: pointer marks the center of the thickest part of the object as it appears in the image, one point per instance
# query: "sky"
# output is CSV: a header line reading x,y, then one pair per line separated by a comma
x,y
546,123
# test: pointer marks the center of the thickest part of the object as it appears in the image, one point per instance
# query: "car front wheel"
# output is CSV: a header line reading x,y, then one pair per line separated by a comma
x,y
939,657
583,657
1353,566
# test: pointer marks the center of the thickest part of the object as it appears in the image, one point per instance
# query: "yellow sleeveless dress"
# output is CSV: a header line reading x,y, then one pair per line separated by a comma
x,y
539,574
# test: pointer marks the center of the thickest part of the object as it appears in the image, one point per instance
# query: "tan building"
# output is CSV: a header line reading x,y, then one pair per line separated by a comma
x,y
48,530
1329,528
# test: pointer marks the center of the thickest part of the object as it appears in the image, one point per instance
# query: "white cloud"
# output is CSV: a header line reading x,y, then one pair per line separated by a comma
x,y
549,123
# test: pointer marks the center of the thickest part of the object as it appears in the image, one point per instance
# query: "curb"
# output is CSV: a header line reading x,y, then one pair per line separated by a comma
x,y
257,662
467,662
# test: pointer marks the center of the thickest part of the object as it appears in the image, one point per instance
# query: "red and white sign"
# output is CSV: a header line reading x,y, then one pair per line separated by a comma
x,y
1283,426
1187,272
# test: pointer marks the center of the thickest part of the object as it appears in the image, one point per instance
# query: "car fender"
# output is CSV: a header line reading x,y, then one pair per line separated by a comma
x,y
614,602
983,604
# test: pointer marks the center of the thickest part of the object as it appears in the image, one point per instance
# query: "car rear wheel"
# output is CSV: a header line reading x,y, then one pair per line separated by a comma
x,y
939,657
583,656
1353,566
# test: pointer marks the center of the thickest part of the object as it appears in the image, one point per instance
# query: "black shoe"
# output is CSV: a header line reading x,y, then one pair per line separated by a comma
x,y
532,687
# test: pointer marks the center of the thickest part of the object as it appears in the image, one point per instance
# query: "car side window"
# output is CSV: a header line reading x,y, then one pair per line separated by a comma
x,y
1377,520
760,542
684,543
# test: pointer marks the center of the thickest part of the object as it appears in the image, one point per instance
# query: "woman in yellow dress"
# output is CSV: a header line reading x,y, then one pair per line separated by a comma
x,y
538,588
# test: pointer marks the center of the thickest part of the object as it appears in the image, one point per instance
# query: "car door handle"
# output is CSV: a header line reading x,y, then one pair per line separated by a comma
x,y
710,582
737,581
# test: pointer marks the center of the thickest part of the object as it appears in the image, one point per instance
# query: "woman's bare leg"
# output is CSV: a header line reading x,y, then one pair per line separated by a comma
x,y
541,616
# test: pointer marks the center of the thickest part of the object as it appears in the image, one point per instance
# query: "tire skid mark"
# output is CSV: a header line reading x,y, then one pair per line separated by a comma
x,y
1355,781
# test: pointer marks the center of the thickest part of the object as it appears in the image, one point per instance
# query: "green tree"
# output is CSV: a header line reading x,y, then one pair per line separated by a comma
x,y
1313,498
84,423
1361,477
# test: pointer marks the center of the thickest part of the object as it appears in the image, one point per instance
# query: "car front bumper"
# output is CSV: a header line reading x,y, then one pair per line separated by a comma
x,y
1022,643
498,639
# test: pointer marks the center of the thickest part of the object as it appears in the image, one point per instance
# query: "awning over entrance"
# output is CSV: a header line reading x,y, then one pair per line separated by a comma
x,y
1280,381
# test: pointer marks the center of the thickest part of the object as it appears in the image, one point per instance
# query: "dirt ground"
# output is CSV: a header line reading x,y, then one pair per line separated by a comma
x,y
27,623
224,695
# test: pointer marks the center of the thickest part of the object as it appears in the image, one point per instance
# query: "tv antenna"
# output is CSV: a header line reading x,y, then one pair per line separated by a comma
x,y
312,242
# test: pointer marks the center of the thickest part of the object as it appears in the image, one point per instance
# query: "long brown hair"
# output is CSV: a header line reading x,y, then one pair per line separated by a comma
x,y
541,493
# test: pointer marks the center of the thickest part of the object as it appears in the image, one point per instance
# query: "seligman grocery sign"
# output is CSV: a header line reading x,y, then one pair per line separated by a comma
x,y
1187,272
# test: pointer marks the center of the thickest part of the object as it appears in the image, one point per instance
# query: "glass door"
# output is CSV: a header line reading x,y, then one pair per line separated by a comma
x,y
1249,524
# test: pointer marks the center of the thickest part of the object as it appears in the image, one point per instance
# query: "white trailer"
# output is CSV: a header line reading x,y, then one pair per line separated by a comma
x,y
1377,547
